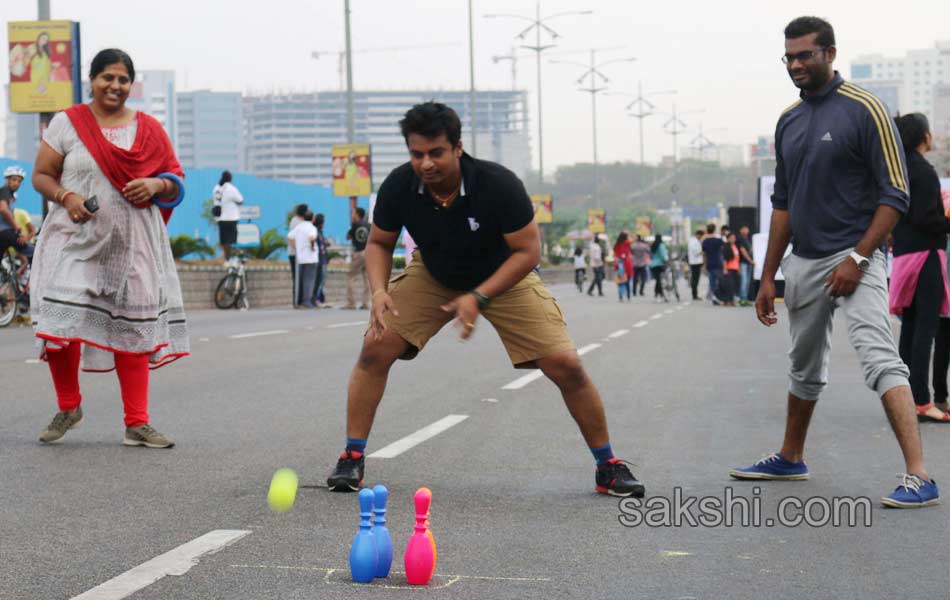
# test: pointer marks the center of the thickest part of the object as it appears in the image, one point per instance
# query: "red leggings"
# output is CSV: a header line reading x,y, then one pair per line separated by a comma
x,y
132,370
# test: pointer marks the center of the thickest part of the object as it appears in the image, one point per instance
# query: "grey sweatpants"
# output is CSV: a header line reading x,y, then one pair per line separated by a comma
x,y
811,317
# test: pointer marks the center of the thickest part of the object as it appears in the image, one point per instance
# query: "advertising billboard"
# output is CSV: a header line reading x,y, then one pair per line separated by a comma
x,y
543,208
597,220
44,65
351,170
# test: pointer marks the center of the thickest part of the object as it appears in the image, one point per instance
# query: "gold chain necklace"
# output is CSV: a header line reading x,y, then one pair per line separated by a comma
x,y
444,201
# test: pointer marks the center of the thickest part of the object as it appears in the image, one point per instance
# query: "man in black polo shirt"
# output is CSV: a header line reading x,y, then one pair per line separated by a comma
x,y
478,246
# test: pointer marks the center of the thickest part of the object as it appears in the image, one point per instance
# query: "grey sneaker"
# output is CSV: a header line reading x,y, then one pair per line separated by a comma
x,y
145,435
61,423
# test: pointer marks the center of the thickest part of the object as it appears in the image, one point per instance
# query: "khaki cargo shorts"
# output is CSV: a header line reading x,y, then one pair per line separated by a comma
x,y
527,317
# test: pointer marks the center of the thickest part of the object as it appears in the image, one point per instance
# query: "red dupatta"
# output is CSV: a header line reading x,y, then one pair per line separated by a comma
x,y
150,155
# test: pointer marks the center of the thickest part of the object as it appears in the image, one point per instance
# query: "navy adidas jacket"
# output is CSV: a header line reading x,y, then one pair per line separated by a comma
x,y
838,157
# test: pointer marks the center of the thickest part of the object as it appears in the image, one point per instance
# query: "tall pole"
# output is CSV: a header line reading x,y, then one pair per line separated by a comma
x,y
537,45
350,126
471,75
43,14
640,117
593,107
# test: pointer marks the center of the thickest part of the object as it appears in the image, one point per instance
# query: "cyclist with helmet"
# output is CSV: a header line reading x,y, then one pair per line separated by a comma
x,y
11,236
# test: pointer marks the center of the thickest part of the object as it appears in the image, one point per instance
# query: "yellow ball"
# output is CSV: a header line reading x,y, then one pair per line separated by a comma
x,y
283,489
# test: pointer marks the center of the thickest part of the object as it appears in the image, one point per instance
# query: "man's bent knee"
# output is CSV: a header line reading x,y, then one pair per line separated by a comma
x,y
381,354
565,370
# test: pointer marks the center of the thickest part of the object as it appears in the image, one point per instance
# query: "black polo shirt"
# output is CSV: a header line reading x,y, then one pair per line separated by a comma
x,y
463,245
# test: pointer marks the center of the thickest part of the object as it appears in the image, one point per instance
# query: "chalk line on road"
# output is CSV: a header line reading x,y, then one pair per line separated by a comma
x,y
174,562
347,324
241,336
429,431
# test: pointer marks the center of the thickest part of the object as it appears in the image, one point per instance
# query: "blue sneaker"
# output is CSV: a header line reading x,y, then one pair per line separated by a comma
x,y
772,467
913,492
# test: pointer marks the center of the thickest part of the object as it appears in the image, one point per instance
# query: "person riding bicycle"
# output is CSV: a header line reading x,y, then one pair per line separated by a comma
x,y
11,235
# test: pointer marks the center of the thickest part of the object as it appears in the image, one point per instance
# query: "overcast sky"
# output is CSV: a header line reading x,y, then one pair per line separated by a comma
x,y
722,57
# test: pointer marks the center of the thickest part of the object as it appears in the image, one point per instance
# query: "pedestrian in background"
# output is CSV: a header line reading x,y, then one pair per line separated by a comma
x,y
918,289
580,268
712,256
694,256
623,265
226,208
641,264
731,268
659,256
597,266
300,211
358,236
303,239
746,263
319,298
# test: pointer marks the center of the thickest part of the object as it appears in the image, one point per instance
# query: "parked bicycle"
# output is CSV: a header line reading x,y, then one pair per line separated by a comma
x,y
232,290
14,290
670,278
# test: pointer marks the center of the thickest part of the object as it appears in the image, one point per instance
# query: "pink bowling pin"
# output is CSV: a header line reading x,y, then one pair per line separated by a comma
x,y
419,560
435,552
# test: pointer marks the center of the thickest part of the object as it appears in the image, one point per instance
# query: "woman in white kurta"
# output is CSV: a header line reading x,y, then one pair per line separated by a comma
x,y
104,288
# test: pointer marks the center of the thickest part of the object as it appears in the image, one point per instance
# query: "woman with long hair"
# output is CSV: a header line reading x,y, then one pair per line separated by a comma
x,y
659,256
623,264
919,292
105,293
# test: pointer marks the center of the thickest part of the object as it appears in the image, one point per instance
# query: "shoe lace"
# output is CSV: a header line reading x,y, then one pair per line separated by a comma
x,y
910,482
619,466
147,430
767,459
59,421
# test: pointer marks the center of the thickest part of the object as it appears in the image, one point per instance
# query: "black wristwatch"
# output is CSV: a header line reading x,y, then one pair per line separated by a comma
x,y
483,300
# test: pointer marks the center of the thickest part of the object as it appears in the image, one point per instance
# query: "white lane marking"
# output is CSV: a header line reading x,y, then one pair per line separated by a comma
x,y
204,339
679,308
32,361
242,336
174,562
657,316
619,333
492,400
640,324
348,324
414,439
535,374
524,380
587,349
668,311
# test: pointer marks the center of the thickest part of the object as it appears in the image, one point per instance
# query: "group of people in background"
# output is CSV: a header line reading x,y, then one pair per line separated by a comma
x,y
308,253
634,261
728,261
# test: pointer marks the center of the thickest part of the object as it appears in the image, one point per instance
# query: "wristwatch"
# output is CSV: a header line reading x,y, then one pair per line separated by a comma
x,y
862,262
483,300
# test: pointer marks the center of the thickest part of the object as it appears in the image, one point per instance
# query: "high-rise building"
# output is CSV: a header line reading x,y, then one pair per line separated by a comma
x,y
290,136
21,136
210,130
153,92
940,123
906,84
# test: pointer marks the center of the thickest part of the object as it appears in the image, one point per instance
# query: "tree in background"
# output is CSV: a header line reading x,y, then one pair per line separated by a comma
x,y
184,245
271,243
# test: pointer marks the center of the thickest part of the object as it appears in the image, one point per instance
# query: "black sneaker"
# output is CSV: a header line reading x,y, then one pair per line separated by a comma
x,y
614,478
348,474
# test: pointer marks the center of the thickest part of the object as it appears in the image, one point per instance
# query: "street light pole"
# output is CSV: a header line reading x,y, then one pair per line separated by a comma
x,y
593,71
537,23
471,76
350,124
644,109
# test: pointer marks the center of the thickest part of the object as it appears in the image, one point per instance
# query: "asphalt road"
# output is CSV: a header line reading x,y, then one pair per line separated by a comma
x,y
690,392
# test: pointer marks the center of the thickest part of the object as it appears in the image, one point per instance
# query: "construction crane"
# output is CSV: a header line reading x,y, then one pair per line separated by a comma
x,y
341,55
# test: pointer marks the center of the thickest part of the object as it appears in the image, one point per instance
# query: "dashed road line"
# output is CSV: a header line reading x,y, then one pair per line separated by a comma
x,y
618,333
242,336
640,324
414,439
657,316
174,562
347,324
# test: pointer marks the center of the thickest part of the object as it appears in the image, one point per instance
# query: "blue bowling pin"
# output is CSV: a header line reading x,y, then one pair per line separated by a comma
x,y
363,557
384,543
